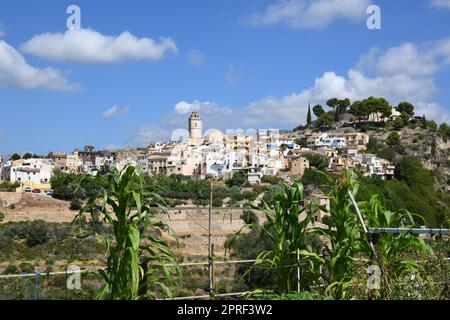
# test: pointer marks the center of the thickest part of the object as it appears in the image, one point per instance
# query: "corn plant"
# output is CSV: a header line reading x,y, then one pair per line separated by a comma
x,y
396,252
136,255
288,219
344,238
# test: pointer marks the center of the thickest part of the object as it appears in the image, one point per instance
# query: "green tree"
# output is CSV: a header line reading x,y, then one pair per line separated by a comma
x,y
444,130
15,157
406,107
398,124
424,122
432,126
37,233
317,161
359,110
238,179
27,156
339,107
333,103
372,146
318,110
309,116
393,139
325,120
405,117
343,105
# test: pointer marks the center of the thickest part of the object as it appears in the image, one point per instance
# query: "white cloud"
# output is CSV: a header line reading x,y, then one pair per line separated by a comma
x,y
440,3
433,110
211,113
196,58
89,46
151,132
300,14
231,75
115,111
16,72
406,72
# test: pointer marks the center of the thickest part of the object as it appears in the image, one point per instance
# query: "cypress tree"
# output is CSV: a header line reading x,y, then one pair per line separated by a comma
x,y
309,118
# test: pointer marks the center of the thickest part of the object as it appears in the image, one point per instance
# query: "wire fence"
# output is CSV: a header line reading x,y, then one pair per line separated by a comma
x,y
194,284
59,285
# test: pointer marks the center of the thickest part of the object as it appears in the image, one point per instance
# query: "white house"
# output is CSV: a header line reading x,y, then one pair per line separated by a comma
x,y
34,173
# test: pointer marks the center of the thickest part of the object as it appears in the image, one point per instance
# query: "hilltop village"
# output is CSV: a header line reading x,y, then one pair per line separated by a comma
x,y
217,155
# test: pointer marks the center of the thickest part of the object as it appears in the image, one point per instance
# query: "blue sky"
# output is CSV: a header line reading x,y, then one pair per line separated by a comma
x,y
137,68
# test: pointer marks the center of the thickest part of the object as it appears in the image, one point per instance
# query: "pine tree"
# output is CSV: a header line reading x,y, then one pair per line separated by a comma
x,y
308,118
424,122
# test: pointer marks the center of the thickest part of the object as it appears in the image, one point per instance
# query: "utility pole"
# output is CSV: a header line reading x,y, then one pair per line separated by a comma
x,y
210,248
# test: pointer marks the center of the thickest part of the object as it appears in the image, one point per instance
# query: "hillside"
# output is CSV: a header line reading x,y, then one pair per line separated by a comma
x,y
420,151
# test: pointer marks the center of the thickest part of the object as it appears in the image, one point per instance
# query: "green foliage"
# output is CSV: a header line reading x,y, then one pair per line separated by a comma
x,y
305,295
325,120
413,190
271,179
2,216
398,124
406,107
15,157
309,116
287,224
27,156
301,142
444,131
411,170
393,139
70,187
136,252
405,117
317,161
239,179
373,146
75,205
8,186
359,110
37,233
248,246
318,110
250,217
432,126
317,179
33,232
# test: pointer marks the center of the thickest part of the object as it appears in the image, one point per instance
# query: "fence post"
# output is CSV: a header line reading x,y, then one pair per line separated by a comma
x,y
212,271
298,271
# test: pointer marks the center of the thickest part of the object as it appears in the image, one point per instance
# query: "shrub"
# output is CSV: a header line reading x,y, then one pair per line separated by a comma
x,y
37,233
249,217
270,179
8,186
11,269
317,161
239,179
2,216
26,267
75,205
250,195
393,139
217,202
